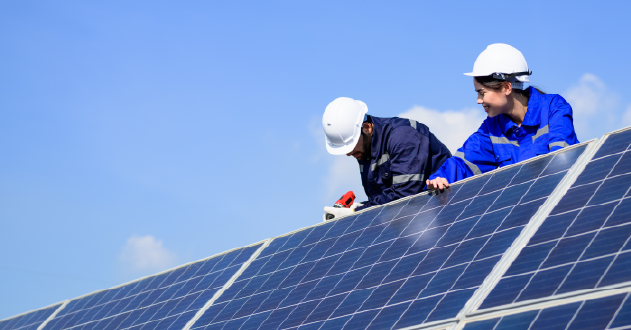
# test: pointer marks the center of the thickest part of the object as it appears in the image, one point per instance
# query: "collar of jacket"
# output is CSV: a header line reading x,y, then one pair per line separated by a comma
x,y
533,115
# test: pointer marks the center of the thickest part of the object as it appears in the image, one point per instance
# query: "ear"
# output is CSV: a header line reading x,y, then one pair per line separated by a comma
x,y
367,128
507,88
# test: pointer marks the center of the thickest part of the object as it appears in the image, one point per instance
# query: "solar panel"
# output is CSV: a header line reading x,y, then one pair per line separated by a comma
x,y
584,243
30,320
166,300
612,312
407,263
540,244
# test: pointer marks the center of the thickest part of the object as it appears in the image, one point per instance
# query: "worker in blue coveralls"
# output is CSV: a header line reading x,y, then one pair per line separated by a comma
x,y
523,122
395,155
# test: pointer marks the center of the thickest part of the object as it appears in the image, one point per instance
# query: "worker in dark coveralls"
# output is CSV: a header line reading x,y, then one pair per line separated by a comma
x,y
395,155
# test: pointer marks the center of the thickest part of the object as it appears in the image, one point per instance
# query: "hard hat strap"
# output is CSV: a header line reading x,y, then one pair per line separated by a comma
x,y
520,85
506,76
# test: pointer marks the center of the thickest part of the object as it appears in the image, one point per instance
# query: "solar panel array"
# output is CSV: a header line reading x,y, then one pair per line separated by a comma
x,y
584,242
396,266
28,321
611,312
539,244
167,300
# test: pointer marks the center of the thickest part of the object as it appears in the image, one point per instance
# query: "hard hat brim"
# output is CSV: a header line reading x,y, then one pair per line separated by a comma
x,y
342,150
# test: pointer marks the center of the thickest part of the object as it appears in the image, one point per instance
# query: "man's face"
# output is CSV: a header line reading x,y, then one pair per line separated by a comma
x,y
362,149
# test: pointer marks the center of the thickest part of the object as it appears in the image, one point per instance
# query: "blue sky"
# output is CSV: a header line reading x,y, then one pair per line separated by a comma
x,y
136,136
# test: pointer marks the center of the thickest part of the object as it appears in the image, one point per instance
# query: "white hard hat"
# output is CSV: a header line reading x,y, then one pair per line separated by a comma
x,y
503,62
342,123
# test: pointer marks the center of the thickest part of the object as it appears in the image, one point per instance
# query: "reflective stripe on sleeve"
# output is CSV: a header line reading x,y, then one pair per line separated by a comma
x,y
561,144
540,132
413,123
406,178
503,140
384,158
474,168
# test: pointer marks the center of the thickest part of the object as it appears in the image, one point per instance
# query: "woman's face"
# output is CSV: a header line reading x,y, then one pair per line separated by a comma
x,y
493,101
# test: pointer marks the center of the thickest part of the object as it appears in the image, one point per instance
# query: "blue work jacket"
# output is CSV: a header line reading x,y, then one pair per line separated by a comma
x,y
403,153
547,127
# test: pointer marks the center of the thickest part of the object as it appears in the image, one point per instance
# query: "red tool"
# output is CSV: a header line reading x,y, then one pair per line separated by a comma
x,y
345,201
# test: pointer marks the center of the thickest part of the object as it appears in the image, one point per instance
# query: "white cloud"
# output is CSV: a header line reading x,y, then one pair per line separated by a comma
x,y
146,253
587,95
595,107
451,127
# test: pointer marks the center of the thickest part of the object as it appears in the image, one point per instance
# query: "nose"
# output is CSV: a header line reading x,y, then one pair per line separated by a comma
x,y
480,101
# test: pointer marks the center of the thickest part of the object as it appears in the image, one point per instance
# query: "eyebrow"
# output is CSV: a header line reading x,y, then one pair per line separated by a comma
x,y
479,90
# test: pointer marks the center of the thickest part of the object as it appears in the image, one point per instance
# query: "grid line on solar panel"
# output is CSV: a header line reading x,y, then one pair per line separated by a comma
x,y
611,311
618,142
30,320
574,157
167,299
54,314
297,280
584,244
227,285
543,303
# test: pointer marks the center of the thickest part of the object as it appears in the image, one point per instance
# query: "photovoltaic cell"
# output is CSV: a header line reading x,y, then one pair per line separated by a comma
x,y
28,321
603,313
167,300
407,263
584,242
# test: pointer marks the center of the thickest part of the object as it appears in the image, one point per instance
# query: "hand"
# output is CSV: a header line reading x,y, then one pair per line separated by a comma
x,y
337,212
438,183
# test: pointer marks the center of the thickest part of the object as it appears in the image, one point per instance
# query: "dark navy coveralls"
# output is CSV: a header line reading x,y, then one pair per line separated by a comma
x,y
404,153
548,126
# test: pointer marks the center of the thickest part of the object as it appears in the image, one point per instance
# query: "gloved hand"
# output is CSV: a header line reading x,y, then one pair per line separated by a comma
x,y
338,212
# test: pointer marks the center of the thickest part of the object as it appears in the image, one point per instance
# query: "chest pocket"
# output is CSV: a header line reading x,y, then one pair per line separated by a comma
x,y
385,175
381,167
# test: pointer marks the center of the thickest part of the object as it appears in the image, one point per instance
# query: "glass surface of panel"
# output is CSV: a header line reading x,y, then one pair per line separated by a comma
x,y
604,313
403,264
167,300
584,242
28,321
